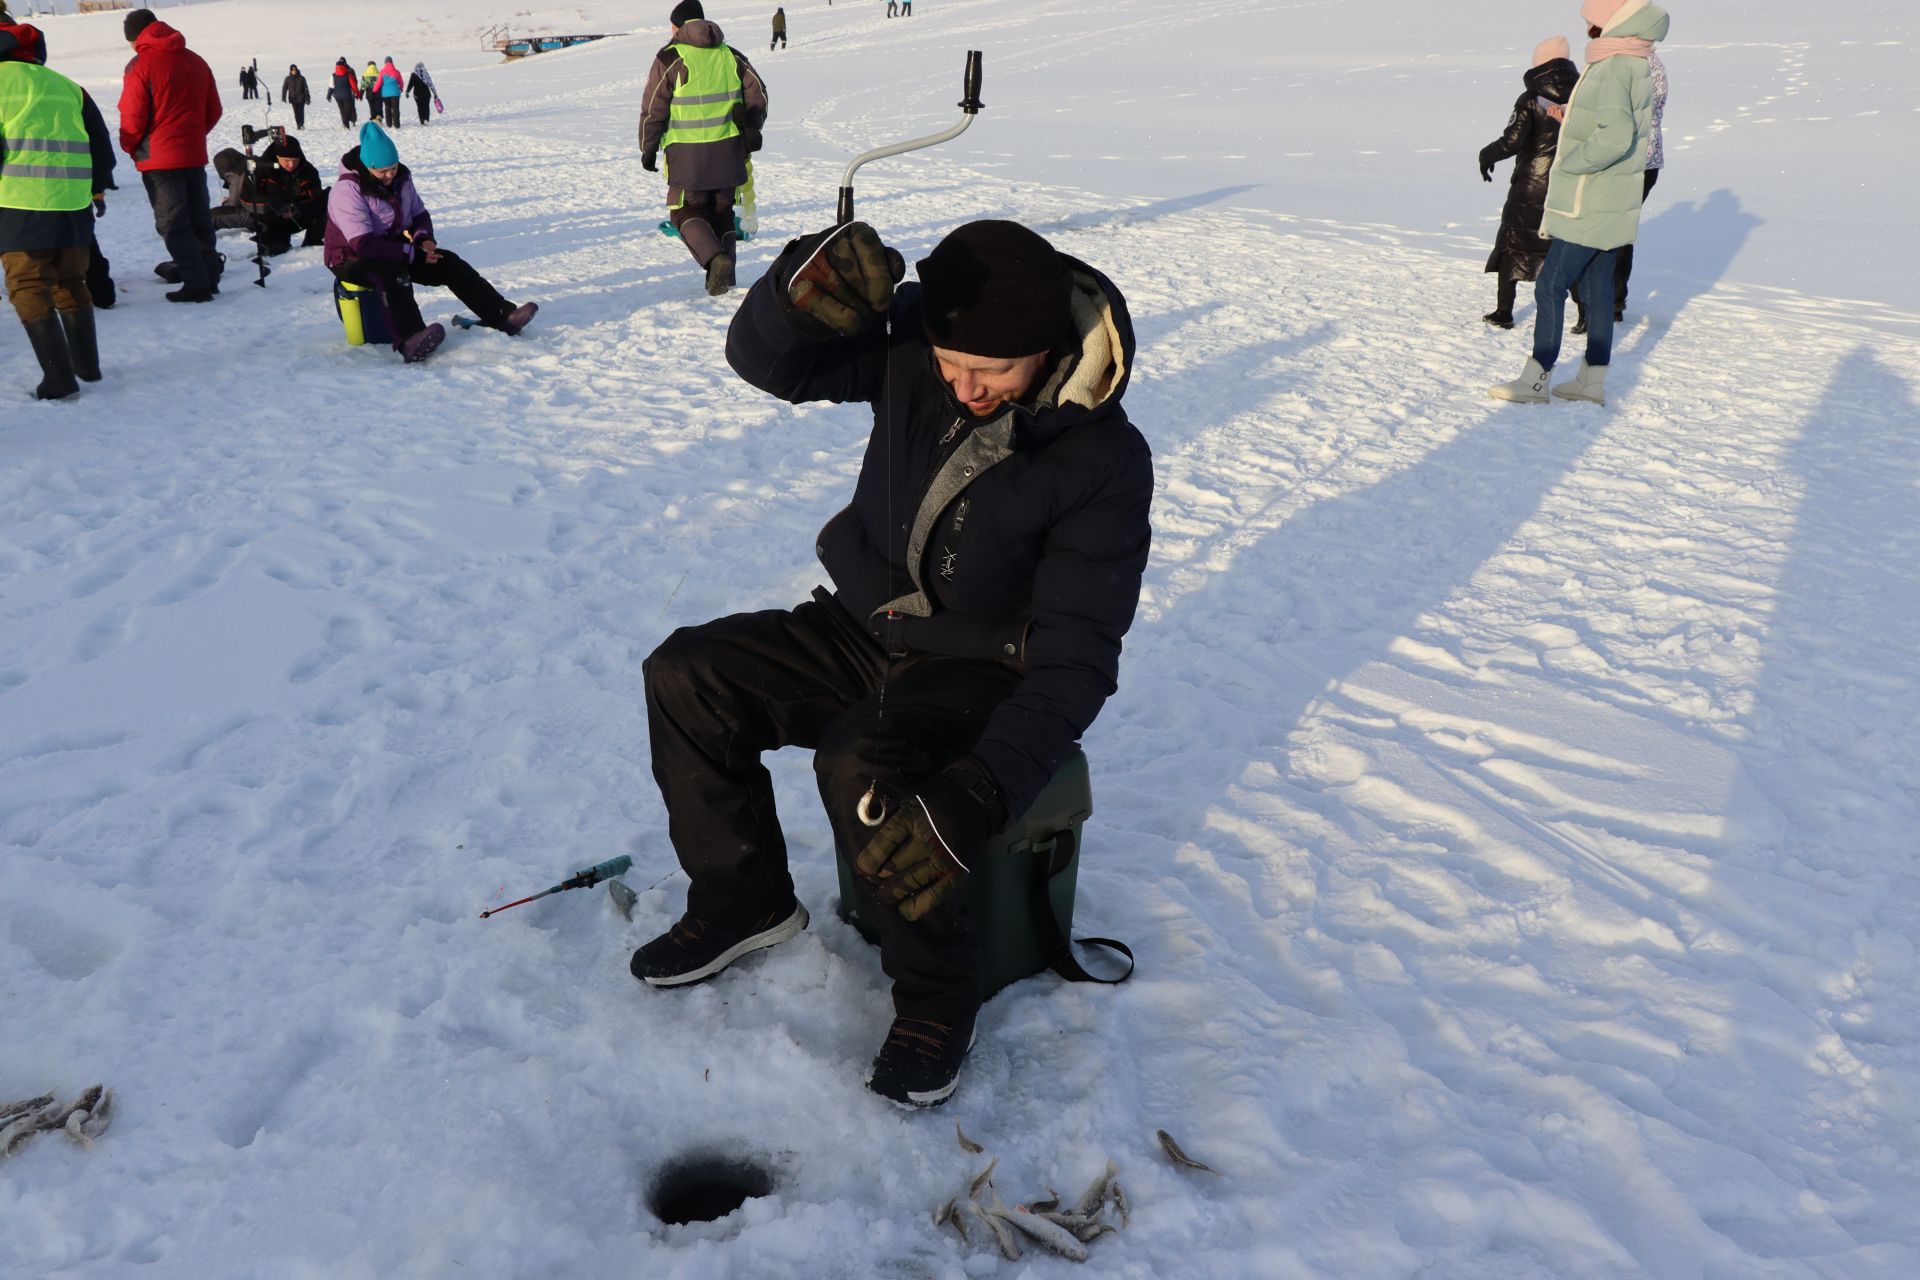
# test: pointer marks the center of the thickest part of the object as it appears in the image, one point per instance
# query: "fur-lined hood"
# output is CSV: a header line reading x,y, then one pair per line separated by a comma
x,y
1084,383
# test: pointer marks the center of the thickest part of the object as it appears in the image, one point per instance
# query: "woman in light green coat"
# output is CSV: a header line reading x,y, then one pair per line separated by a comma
x,y
1594,194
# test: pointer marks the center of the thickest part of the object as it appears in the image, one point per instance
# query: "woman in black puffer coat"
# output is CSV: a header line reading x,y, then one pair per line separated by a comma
x,y
1531,135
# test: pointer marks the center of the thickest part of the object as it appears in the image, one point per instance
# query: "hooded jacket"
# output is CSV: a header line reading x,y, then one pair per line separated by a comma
x,y
286,192
294,91
40,229
392,83
1598,178
370,222
701,166
1019,538
345,83
169,103
1529,141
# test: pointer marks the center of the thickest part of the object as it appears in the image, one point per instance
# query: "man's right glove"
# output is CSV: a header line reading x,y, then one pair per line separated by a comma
x,y
845,279
1486,166
914,859
650,161
99,205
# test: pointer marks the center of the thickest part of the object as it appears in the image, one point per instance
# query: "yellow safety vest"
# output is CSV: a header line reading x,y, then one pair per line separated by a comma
x,y
47,165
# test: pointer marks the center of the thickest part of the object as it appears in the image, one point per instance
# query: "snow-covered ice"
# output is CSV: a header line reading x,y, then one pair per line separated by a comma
x,y
1514,810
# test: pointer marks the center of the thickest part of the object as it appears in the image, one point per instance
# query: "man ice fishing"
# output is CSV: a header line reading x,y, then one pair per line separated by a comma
x,y
983,577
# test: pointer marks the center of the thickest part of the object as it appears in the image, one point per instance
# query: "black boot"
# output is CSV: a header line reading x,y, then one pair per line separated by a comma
x,y
50,347
83,345
1580,323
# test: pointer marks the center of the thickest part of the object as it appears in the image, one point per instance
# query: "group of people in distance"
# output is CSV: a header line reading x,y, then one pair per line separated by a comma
x,y
382,86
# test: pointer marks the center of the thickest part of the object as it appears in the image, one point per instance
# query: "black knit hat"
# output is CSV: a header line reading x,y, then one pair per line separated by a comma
x,y
686,11
996,289
137,21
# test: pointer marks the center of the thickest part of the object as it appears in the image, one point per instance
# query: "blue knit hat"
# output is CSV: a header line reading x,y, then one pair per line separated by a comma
x,y
376,148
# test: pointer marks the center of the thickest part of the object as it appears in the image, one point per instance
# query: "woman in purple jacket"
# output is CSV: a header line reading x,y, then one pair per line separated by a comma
x,y
379,235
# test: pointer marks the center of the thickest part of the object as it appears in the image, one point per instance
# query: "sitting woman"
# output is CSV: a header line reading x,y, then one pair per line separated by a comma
x,y
380,236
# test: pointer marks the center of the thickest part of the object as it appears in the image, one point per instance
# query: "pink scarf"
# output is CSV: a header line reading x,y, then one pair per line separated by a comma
x,y
1618,46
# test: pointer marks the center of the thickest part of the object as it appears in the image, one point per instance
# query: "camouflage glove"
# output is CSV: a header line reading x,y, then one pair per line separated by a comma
x,y
845,278
912,860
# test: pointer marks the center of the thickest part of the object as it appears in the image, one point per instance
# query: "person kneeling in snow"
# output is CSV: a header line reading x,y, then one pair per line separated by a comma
x,y
983,577
291,199
380,235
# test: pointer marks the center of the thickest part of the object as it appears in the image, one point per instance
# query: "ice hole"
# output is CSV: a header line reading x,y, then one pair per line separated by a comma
x,y
704,1188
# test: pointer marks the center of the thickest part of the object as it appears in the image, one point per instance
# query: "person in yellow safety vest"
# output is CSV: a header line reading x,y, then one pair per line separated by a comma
x,y
56,158
704,108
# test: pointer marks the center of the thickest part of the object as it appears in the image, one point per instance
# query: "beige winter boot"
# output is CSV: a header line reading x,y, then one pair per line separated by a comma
x,y
1588,384
1529,388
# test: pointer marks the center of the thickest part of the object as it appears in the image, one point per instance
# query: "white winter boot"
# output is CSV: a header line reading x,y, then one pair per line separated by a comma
x,y
1588,384
1529,388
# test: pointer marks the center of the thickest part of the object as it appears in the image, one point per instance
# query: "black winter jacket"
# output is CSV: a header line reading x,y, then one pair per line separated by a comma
x,y
294,91
1529,141
1020,538
286,193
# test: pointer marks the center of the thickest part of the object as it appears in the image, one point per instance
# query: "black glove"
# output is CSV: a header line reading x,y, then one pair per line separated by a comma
x,y
843,278
1486,168
650,161
914,858
99,205
749,123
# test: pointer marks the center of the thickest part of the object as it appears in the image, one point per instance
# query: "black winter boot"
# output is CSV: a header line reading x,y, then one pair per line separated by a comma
x,y
50,348
919,1065
720,273
695,949
83,345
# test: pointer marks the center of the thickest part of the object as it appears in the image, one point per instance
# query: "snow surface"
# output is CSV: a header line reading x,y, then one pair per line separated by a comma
x,y
1513,809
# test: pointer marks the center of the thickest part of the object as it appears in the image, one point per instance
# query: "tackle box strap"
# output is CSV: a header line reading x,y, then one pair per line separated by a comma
x,y
1057,946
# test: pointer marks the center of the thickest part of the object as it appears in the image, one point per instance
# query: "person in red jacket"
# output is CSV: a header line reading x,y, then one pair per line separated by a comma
x,y
168,105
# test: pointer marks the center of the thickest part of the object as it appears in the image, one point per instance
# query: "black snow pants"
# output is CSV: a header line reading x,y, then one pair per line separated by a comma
x,y
184,218
720,694
1623,265
394,281
349,114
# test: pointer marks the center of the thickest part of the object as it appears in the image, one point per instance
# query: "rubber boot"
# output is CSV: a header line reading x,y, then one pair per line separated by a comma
x,y
719,273
1529,388
1588,384
56,365
83,344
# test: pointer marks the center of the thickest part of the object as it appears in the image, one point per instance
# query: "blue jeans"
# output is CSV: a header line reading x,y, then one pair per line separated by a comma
x,y
1593,270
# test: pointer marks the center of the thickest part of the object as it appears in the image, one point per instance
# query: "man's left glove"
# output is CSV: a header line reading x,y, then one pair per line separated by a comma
x,y
914,858
650,161
99,205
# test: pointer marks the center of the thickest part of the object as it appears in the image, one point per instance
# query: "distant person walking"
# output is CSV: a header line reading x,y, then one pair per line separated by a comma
x,y
295,93
420,85
168,105
392,85
1594,194
906,8
779,30
345,93
893,8
370,89
1532,133
56,157
704,108
248,85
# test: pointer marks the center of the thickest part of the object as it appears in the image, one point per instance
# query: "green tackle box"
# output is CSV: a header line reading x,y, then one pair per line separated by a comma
x,y
1035,860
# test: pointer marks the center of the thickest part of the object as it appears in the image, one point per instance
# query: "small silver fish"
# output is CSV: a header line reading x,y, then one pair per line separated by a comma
x,y
1071,1221
1096,1193
1179,1157
1117,1194
12,1109
1052,1201
1093,1231
1035,1227
623,898
967,1144
1002,1233
981,1179
950,1215
18,1130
